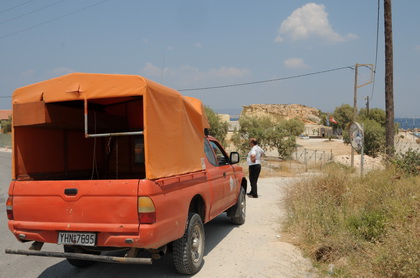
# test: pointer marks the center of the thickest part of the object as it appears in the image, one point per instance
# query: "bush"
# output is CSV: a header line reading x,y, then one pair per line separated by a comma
x,y
374,141
252,127
283,136
369,225
6,125
408,163
218,129
365,226
280,134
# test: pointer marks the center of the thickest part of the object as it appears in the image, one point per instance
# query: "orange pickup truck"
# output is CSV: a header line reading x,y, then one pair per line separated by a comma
x,y
106,162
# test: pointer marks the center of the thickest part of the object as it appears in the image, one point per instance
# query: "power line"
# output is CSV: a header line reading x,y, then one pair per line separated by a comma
x,y
265,81
31,12
51,20
376,54
255,82
12,8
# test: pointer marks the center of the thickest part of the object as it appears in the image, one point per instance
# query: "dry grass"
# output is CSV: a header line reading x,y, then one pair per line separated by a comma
x,y
357,227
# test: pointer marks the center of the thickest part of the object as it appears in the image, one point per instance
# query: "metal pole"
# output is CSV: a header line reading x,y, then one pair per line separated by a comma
x,y
354,108
389,81
362,151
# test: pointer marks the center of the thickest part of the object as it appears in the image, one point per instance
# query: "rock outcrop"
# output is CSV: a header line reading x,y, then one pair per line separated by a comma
x,y
276,112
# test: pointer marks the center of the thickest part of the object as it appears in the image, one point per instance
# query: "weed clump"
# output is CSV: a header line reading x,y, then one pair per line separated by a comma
x,y
355,226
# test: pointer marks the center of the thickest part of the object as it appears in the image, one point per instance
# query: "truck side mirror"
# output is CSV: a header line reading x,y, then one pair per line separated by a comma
x,y
234,157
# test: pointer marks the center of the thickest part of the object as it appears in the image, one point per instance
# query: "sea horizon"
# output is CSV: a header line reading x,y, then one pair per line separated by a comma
x,y
408,122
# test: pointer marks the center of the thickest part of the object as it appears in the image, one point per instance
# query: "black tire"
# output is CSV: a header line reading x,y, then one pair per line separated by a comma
x,y
238,212
79,263
188,251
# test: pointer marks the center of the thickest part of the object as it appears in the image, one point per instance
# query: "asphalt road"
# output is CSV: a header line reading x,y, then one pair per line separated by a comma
x,y
251,250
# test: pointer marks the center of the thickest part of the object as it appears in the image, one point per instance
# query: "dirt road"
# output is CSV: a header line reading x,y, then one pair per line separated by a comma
x,y
255,249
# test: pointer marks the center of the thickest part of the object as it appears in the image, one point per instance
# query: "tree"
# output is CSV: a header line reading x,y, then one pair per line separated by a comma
x,y
252,127
343,115
283,136
375,114
6,125
280,135
218,128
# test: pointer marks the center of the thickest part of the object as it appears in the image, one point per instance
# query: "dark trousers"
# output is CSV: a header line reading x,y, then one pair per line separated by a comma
x,y
254,173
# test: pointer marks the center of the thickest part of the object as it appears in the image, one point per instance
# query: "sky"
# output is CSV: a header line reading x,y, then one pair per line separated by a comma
x,y
243,52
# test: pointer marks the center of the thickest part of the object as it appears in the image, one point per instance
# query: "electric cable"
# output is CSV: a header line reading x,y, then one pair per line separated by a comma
x,y
51,20
12,8
31,12
376,54
264,81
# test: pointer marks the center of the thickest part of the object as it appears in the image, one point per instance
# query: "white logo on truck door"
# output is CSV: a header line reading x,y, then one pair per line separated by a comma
x,y
232,183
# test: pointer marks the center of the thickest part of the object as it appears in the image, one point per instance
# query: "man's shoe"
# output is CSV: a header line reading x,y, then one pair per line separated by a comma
x,y
250,194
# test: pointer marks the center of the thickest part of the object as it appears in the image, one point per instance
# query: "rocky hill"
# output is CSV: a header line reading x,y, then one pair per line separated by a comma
x,y
306,114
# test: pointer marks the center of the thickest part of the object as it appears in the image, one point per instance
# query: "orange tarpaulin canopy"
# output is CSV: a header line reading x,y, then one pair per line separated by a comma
x,y
173,124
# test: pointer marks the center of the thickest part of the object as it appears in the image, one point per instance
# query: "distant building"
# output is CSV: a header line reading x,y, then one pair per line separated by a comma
x,y
313,130
4,114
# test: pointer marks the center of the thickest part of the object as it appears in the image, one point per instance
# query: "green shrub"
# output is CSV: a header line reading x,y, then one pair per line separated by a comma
x,y
408,162
218,129
369,225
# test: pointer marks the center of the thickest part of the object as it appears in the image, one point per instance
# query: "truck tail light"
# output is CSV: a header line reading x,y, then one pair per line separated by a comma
x,y
146,210
9,208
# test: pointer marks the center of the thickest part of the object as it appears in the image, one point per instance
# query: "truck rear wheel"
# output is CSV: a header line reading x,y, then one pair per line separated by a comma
x,y
238,211
79,263
188,251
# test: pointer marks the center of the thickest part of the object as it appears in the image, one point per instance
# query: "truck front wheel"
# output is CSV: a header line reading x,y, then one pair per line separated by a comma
x,y
188,251
237,213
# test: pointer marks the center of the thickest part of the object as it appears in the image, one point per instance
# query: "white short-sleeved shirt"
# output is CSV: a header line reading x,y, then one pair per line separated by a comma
x,y
258,152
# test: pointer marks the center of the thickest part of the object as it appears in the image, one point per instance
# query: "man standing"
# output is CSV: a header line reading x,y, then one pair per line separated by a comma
x,y
254,163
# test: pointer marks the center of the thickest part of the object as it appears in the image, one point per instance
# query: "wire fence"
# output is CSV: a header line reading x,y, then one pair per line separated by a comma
x,y
301,159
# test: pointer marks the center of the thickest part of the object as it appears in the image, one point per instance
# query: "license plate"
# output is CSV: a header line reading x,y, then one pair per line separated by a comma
x,y
76,238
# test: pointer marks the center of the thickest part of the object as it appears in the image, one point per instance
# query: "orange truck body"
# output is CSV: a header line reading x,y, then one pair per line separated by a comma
x,y
87,149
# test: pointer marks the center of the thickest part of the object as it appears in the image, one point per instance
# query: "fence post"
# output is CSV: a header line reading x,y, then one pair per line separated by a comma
x,y
306,161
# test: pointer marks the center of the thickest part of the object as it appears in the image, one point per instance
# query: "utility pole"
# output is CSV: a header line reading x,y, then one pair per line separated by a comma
x,y
389,81
354,109
367,105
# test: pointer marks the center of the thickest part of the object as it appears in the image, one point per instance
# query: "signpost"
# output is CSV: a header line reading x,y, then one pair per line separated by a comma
x,y
357,137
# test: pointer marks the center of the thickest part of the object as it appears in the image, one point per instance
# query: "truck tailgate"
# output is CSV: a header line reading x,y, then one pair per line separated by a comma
x,y
85,205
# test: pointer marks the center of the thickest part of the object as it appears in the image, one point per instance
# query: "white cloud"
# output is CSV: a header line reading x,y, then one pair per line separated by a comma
x,y
417,47
310,20
151,70
59,71
145,40
28,73
198,45
191,76
295,63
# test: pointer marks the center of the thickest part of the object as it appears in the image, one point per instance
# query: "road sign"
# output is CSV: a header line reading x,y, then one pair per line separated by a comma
x,y
356,136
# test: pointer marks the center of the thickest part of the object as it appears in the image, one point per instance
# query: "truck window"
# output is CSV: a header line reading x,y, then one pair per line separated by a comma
x,y
209,153
220,154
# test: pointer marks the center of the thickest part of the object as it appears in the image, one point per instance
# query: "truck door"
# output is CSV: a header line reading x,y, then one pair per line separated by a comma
x,y
226,175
